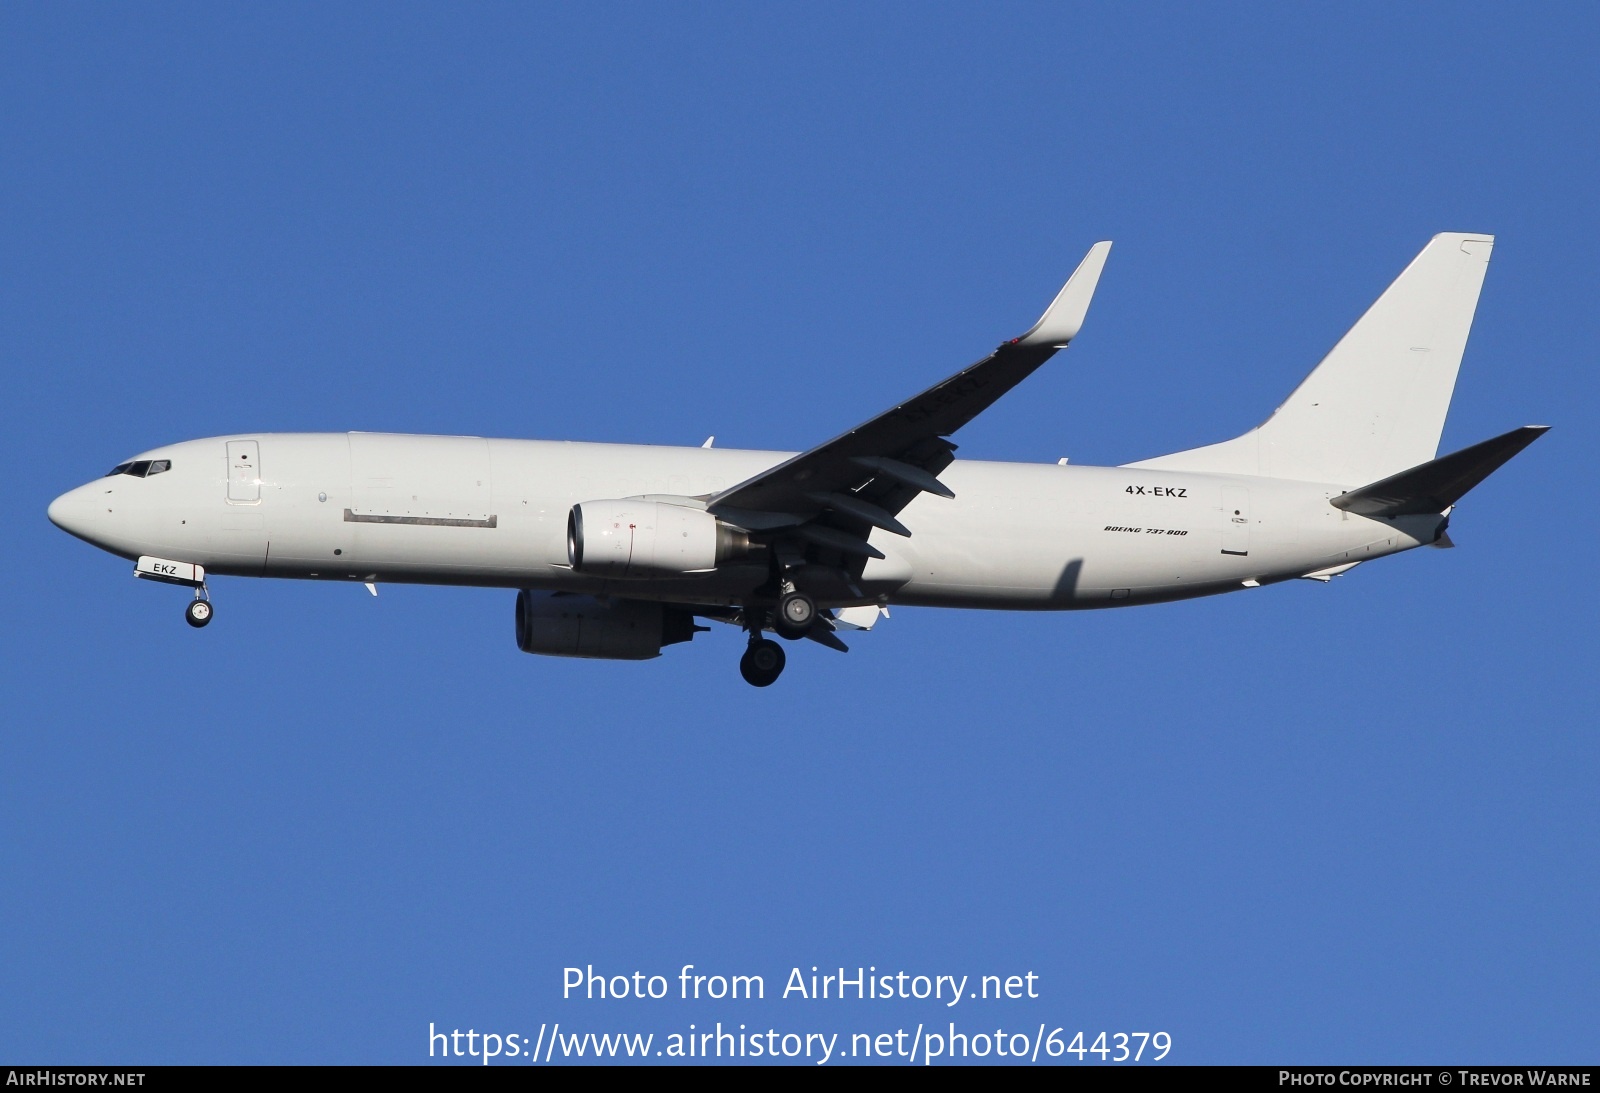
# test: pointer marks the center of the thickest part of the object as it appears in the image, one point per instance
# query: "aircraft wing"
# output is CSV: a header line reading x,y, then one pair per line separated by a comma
x,y
863,477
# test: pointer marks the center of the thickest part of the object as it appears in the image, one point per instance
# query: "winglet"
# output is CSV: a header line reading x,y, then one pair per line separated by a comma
x,y
1063,319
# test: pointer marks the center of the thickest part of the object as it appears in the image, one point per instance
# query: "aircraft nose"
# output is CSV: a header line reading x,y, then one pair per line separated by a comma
x,y
72,512
59,511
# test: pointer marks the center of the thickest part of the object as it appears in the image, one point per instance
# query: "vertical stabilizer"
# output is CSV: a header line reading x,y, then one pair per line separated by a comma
x,y
1377,402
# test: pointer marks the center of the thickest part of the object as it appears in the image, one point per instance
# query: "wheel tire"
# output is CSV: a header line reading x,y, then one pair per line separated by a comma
x,y
796,615
198,613
762,663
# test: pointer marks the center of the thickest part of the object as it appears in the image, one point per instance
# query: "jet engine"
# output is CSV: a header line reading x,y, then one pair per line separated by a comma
x,y
640,539
560,625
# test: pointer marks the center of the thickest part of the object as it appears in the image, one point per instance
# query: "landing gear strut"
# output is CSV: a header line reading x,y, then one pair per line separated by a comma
x,y
794,618
762,663
198,613
797,613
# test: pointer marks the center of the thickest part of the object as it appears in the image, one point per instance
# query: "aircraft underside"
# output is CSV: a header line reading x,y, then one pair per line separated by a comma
x,y
618,551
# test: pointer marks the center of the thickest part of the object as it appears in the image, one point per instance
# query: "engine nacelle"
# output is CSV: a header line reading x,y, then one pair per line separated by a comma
x,y
559,625
639,539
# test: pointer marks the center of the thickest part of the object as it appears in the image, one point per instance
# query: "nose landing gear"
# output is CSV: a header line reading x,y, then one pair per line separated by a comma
x,y
188,574
198,613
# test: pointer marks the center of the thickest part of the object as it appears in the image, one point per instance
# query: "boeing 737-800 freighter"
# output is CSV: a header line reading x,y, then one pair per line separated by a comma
x,y
616,550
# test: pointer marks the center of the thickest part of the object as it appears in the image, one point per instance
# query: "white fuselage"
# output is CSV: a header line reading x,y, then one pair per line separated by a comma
x,y
474,511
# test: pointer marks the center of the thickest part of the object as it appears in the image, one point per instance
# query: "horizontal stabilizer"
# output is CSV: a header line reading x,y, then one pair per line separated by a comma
x,y
1436,485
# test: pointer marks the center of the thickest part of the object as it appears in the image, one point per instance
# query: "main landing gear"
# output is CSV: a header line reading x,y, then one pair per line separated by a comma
x,y
797,613
764,658
795,617
762,662
198,613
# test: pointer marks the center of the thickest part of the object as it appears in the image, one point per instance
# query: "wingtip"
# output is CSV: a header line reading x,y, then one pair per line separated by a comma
x,y
1064,317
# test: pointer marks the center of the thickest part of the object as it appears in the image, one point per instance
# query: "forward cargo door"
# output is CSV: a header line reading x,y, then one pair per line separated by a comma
x,y
419,502
439,481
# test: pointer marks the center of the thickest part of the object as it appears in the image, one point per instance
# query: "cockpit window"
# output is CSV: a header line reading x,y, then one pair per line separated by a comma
x,y
141,468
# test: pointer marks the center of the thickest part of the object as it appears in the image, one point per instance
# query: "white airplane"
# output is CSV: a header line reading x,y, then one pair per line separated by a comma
x,y
617,549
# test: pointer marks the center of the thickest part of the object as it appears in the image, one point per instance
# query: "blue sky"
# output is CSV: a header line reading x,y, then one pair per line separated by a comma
x,y
1309,824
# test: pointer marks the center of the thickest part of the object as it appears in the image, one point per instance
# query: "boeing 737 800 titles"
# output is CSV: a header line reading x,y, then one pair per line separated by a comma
x,y
616,550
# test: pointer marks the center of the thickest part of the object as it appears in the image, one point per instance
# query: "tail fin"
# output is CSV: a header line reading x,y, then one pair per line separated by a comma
x,y
1377,402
